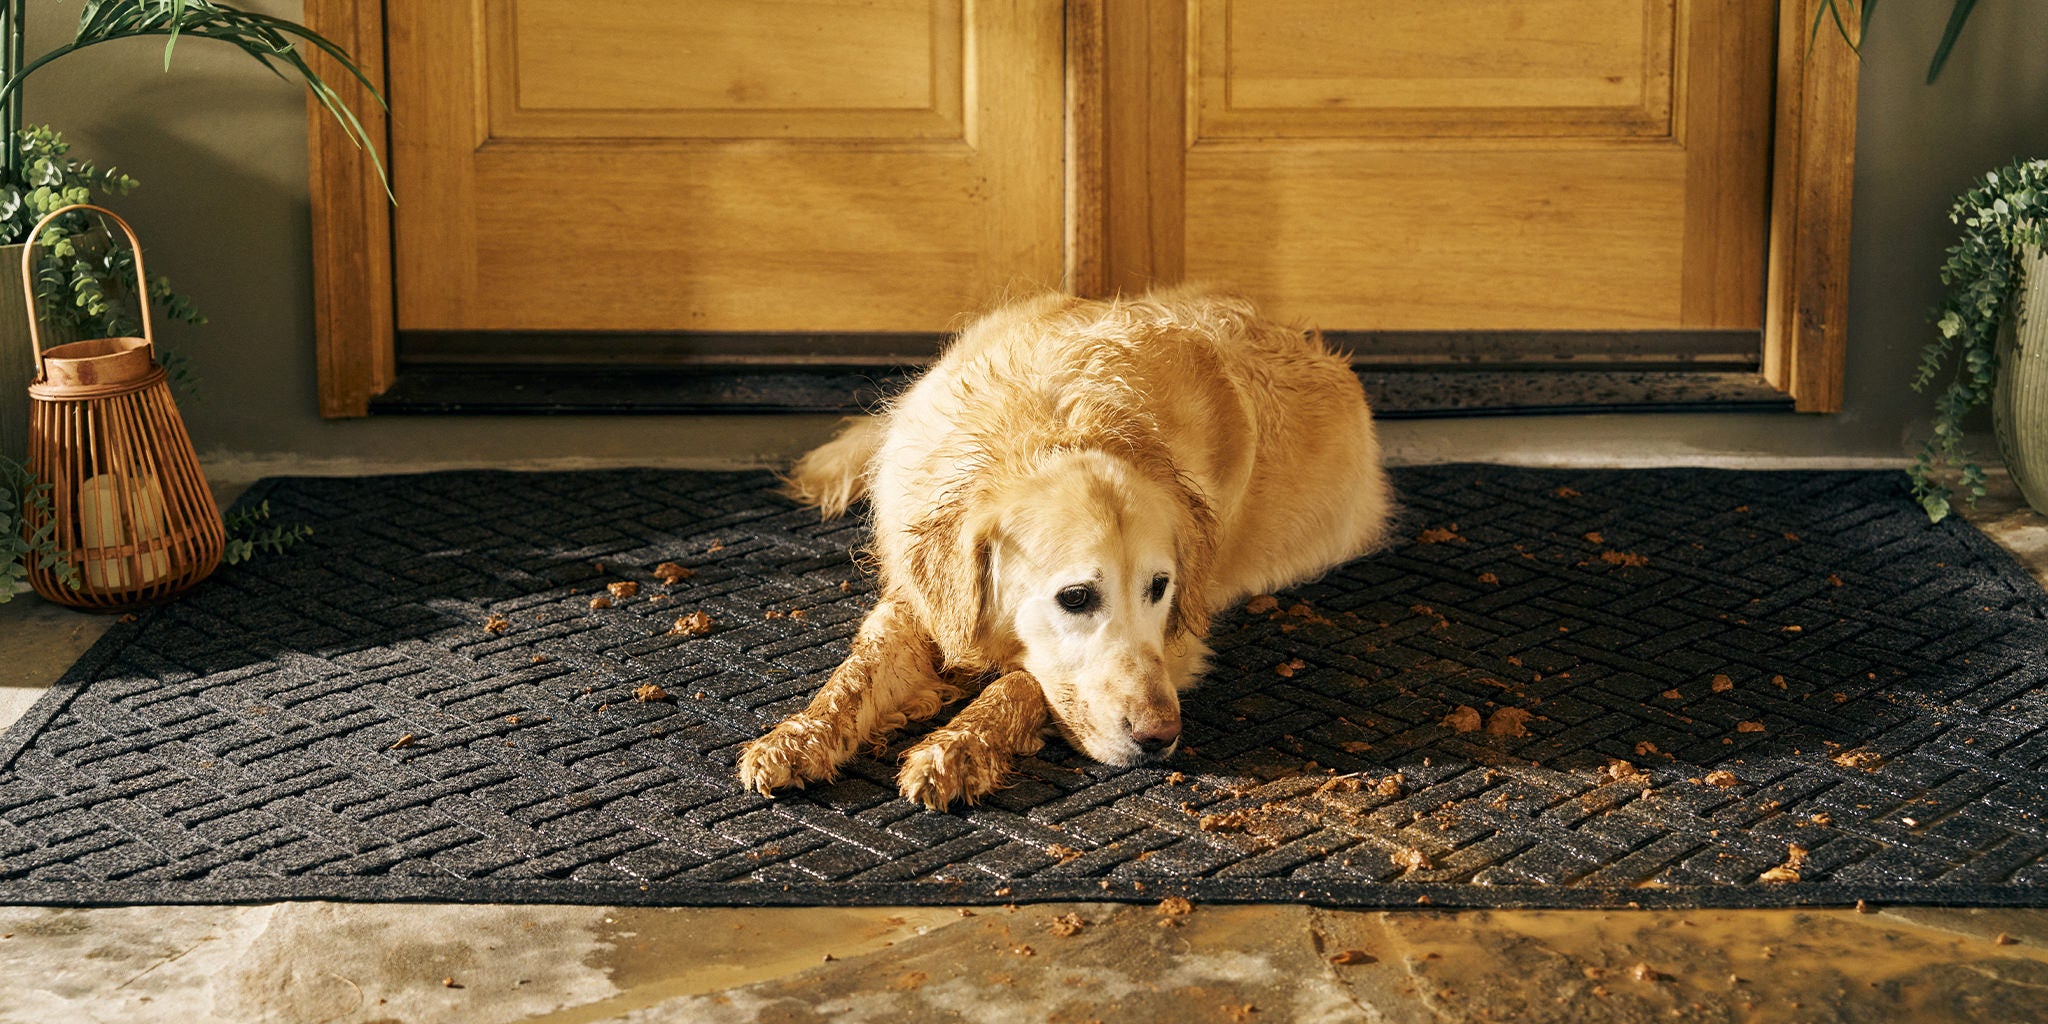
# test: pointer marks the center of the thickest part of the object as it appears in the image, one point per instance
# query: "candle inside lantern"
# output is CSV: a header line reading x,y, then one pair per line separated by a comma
x,y
103,501
150,546
99,526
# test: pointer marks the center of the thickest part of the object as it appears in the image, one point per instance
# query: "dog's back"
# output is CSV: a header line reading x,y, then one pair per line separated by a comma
x,y
1271,427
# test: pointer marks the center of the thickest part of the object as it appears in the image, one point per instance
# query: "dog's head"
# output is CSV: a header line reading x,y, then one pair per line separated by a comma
x,y
1085,569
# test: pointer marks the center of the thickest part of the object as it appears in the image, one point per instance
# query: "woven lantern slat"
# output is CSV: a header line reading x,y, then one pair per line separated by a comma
x,y
132,514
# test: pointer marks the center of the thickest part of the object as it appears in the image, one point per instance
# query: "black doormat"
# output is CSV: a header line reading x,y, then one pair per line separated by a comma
x,y
1658,688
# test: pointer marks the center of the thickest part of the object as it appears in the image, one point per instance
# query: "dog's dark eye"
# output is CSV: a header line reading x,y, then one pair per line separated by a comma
x,y
1158,588
1079,599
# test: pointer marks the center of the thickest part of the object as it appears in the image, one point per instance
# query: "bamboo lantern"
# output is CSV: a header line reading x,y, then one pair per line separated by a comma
x,y
132,511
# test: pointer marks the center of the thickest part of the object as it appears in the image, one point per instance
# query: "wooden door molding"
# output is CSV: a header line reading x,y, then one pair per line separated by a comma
x,y
353,300
1128,96
1806,297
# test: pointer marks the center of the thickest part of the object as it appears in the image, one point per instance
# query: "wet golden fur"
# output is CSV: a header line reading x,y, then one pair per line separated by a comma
x,y
1176,441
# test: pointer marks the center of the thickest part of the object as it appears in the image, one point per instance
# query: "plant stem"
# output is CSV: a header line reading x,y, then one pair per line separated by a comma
x,y
12,30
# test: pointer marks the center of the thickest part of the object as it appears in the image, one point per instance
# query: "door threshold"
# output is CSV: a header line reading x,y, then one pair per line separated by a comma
x,y
1405,393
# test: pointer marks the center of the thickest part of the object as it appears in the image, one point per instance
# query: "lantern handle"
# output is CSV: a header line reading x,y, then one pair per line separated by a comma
x,y
28,281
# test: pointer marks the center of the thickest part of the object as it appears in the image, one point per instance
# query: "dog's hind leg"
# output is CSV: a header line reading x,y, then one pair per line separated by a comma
x,y
890,678
968,757
834,474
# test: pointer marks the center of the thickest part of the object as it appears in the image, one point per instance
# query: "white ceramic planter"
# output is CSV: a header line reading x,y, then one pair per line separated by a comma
x,y
2019,405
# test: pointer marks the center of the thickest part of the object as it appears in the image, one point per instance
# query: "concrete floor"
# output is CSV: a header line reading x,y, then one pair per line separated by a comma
x,y
337,963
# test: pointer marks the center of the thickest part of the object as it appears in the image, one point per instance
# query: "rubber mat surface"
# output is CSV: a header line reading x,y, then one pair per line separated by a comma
x,y
1668,687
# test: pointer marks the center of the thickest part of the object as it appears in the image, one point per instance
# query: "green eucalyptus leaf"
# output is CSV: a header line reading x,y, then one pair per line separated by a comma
x,y
250,531
28,530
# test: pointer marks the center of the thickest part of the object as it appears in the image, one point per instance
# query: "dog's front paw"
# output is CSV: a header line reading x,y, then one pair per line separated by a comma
x,y
801,749
951,765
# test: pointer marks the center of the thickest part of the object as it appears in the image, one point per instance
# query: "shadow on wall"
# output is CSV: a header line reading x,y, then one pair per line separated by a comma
x,y
246,276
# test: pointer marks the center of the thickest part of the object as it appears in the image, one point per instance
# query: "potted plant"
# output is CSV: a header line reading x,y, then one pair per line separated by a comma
x,y
1994,323
84,283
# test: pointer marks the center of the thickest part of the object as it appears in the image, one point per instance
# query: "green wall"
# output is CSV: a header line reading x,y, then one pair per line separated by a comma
x,y
220,147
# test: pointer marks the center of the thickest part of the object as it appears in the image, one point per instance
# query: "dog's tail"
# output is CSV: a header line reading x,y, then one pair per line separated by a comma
x,y
834,475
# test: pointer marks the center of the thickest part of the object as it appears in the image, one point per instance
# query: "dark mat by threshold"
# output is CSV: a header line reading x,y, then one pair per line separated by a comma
x,y
1559,688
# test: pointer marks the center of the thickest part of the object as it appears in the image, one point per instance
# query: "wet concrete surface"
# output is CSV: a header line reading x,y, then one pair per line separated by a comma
x,y
1234,964
301,963
334,963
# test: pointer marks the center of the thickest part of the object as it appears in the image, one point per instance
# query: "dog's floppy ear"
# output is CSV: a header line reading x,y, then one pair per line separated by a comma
x,y
948,561
1195,550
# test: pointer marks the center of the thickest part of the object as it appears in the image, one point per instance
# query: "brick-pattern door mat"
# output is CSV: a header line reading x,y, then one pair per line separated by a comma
x,y
1668,687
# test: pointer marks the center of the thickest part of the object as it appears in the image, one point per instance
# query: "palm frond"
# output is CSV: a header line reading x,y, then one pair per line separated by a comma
x,y
1956,17
271,41
177,14
1826,9
1831,10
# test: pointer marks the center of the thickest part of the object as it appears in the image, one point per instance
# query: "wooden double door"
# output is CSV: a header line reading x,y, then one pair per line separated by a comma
x,y
886,165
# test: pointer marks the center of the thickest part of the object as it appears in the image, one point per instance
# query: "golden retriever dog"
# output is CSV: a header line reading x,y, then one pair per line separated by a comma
x,y
1065,498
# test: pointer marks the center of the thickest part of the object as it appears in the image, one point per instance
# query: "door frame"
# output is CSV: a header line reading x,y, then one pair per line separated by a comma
x,y
1118,86
355,298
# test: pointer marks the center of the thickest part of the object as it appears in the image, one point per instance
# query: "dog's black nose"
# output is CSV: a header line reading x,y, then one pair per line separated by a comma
x,y
1155,738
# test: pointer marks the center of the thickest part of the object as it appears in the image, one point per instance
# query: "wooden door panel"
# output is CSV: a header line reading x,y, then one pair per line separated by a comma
x,y
1425,240
567,165
1337,68
878,243
1475,164
726,68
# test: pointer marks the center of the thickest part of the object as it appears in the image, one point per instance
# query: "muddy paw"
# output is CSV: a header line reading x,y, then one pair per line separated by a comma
x,y
950,765
799,750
